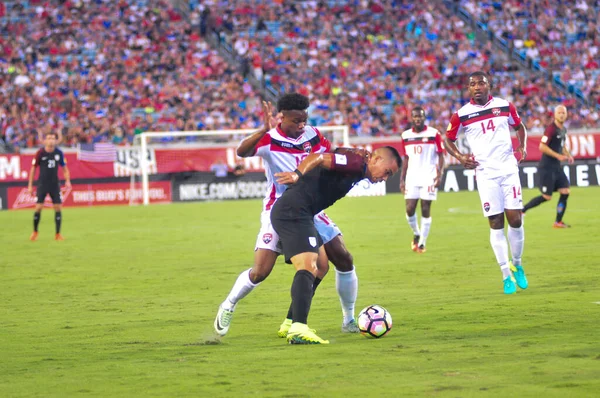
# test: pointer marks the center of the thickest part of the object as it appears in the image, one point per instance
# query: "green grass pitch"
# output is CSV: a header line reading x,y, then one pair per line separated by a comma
x,y
124,305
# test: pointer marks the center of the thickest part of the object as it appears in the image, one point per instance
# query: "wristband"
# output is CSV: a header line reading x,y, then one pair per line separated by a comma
x,y
299,173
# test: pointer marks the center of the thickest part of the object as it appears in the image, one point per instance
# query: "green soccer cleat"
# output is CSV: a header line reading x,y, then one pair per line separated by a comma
x,y
284,328
350,327
223,320
520,277
509,286
299,333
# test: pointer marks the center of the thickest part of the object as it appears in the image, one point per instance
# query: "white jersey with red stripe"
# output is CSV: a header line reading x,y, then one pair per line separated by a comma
x,y
423,149
282,153
488,135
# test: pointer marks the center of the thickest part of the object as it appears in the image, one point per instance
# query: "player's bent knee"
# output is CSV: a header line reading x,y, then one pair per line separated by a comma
x,y
547,197
306,261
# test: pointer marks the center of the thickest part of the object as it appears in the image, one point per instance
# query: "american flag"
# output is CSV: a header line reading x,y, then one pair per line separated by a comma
x,y
97,152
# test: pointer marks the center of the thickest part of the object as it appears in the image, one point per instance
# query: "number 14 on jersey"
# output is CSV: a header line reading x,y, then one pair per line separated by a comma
x,y
490,126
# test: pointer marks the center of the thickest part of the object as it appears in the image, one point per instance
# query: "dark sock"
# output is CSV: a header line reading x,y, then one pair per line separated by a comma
x,y
57,220
36,220
561,207
302,288
538,200
315,285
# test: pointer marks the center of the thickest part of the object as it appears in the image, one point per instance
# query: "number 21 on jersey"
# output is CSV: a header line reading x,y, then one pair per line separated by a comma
x,y
490,126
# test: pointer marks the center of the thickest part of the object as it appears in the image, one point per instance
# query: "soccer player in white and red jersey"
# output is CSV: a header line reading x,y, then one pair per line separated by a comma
x,y
485,120
421,174
282,148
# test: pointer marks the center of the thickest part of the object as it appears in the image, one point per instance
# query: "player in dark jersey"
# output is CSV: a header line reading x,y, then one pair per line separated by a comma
x,y
318,182
552,178
48,159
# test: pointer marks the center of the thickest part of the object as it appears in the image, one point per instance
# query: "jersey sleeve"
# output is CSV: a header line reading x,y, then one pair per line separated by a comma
x,y
513,116
37,158
548,134
439,147
263,146
453,127
402,149
348,163
325,143
62,161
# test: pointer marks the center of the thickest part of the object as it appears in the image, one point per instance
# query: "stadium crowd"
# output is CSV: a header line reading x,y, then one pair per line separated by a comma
x,y
106,70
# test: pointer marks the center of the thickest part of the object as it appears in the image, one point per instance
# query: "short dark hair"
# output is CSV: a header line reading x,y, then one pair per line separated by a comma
x,y
394,152
479,73
293,102
417,109
51,133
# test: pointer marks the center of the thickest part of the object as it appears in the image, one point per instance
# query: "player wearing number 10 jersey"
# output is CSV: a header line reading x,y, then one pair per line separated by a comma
x,y
485,120
421,174
283,146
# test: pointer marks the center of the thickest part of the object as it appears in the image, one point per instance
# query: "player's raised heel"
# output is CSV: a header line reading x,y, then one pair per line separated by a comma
x,y
284,328
34,236
509,286
520,277
299,333
421,249
414,244
350,327
223,320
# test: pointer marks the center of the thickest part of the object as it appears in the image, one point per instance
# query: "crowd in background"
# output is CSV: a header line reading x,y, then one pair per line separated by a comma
x,y
106,70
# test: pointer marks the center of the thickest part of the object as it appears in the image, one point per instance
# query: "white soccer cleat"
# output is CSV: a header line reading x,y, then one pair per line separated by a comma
x,y
223,320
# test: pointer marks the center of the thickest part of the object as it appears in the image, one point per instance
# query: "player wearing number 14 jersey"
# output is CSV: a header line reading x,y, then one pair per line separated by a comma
x,y
485,121
421,174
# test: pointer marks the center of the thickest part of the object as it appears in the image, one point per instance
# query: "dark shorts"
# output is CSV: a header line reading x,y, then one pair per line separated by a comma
x,y
552,180
53,191
296,235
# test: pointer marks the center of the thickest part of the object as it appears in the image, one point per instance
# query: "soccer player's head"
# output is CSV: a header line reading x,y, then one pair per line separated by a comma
x,y
560,113
293,107
50,140
418,118
479,86
383,163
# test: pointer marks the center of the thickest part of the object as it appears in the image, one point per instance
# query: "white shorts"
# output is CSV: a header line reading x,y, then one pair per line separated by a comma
x,y
500,193
423,193
268,239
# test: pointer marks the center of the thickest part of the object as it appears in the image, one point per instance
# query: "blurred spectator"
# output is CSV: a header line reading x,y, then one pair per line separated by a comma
x,y
220,168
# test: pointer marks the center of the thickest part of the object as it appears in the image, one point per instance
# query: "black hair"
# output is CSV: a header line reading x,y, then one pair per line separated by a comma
x,y
394,152
417,109
51,133
292,102
482,74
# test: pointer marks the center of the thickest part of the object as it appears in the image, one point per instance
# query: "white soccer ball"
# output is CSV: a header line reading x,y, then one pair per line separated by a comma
x,y
374,321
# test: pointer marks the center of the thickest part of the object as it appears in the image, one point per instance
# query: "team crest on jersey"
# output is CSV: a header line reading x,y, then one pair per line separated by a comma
x,y
56,157
267,238
486,206
313,241
496,111
307,147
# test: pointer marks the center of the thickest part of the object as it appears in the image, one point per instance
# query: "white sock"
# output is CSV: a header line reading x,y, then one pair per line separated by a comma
x,y
414,225
240,289
346,284
500,248
516,238
425,227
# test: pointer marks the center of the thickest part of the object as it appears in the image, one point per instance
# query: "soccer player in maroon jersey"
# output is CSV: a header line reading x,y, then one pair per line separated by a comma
x,y
552,177
48,159
317,183
485,121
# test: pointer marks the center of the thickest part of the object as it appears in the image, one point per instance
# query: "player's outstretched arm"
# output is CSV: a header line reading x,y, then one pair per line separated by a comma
x,y
468,161
309,163
247,147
